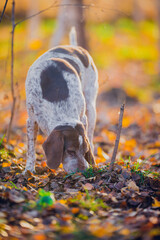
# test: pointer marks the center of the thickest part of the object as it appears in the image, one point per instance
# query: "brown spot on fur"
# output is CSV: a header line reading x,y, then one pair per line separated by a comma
x,y
54,86
78,52
75,65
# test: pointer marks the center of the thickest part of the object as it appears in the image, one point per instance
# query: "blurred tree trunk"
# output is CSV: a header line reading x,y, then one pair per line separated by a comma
x,y
138,13
34,22
70,14
158,22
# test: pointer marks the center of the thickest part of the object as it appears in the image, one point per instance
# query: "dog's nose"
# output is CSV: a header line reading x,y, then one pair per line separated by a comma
x,y
70,166
82,164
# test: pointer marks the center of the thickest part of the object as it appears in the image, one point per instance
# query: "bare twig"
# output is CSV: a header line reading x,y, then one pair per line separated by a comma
x,y
55,5
117,138
4,8
14,24
12,71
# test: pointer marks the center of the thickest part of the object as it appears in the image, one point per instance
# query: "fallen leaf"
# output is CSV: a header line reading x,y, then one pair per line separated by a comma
x,y
132,185
26,224
43,164
16,197
125,232
6,164
88,186
39,237
75,210
102,154
156,203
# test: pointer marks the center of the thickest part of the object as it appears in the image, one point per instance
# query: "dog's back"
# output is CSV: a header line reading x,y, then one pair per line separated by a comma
x,y
61,90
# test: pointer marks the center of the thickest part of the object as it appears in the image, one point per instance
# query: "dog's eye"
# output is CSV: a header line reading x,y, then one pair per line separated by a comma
x,y
71,152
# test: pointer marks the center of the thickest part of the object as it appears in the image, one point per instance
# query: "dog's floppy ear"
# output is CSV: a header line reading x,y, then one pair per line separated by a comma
x,y
53,148
86,146
89,155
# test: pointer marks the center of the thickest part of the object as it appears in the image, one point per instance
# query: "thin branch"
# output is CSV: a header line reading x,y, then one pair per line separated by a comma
x,y
54,5
117,138
26,18
4,8
12,72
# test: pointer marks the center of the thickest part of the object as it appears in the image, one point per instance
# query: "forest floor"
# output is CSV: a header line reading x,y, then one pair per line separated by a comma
x,y
94,204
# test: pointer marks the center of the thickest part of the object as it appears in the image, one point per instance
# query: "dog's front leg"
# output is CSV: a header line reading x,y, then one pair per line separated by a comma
x,y
91,116
32,129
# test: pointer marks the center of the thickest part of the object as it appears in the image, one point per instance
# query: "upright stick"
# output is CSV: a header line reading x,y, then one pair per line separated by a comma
x,y
117,138
12,71
4,8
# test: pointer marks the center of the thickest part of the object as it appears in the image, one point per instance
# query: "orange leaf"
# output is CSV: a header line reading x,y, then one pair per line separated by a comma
x,y
53,170
130,144
124,232
21,145
43,164
40,138
39,237
61,165
127,120
102,154
6,164
18,150
110,135
35,44
66,217
62,201
156,203
75,210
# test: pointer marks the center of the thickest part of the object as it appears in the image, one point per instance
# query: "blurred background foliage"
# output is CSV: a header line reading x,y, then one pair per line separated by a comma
x,y
122,37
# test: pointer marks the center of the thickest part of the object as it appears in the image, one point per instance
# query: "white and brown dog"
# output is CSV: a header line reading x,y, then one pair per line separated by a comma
x,y
61,91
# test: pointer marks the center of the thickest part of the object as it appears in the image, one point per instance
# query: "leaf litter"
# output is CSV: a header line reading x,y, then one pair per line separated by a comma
x,y
94,204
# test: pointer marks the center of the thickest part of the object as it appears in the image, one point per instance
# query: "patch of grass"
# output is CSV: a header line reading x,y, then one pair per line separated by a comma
x,y
45,199
1,141
139,173
69,175
136,168
4,153
89,172
89,202
145,173
80,235
93,204
126,24
127,162
13,185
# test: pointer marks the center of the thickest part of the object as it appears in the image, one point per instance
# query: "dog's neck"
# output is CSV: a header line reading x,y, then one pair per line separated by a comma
x,y
73,123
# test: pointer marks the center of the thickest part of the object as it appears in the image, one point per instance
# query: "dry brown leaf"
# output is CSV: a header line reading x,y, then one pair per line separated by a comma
x,y
132,185
88,186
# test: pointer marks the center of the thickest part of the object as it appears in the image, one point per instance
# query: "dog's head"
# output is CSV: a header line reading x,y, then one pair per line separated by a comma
x,y
70,146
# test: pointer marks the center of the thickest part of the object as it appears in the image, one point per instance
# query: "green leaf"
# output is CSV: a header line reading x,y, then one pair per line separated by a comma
x,y
1,141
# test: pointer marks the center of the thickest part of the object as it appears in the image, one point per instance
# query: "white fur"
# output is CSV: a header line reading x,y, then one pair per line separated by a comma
x,y
80,106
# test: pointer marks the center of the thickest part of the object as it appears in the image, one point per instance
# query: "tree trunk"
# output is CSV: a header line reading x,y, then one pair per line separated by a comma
x,y
138,13
70,14
158,22
34,22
